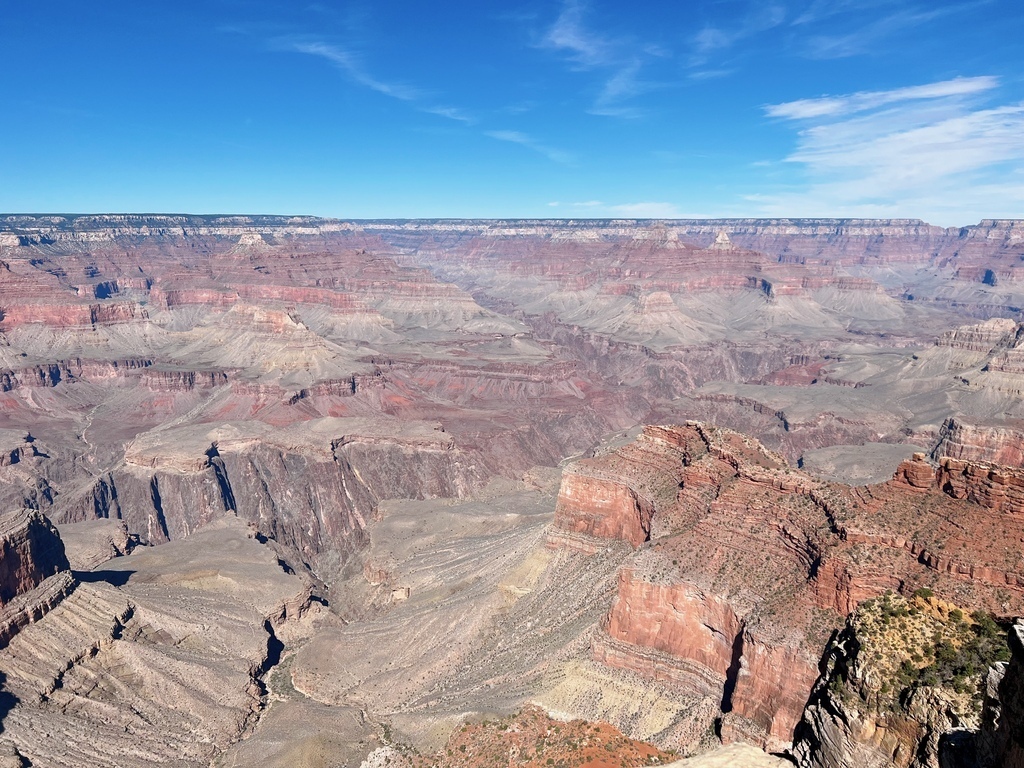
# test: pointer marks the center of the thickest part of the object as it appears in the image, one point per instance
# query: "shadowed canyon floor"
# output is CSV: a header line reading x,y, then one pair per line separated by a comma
x,y
328,489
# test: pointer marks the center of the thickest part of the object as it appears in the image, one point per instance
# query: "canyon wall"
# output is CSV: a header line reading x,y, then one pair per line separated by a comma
x,y
1001,741
30,551
742,565
34,571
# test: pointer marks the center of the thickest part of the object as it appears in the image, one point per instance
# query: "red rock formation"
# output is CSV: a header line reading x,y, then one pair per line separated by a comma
x,y
69,315
997,488
616,496
917,473
691,636
1003,445
30,551
34,573
750,563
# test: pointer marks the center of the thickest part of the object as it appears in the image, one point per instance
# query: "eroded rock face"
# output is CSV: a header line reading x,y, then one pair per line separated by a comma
x,y
616,496
157,658
176,481
30,552
692,637
749,564
34,575
999,488
968,442
885,696
1001,741
90,543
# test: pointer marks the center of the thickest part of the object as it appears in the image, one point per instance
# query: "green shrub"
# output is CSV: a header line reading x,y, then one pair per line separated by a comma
x,y
960,666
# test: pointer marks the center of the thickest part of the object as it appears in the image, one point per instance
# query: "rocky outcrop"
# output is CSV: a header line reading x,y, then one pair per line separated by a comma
x,y
997,488
980,338
686,637
1001,741
91,543
1002,445
899,686
30,552
34,574
69,315
742,565
676,617
168,667
617,495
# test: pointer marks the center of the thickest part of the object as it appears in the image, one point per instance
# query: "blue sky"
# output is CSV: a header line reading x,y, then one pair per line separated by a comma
x,y
535,109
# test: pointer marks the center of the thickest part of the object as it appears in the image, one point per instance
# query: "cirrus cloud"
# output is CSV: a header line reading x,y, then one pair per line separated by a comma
x,y
940,151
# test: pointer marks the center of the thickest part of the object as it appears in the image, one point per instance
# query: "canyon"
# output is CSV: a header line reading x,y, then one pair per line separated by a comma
x,y
300,491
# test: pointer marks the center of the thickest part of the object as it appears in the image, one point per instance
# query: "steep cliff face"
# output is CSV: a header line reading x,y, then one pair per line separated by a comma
x,y
693,603
617,495
1001,741
34,575
30,551
176,481
901,685
742,565
974,443
691,637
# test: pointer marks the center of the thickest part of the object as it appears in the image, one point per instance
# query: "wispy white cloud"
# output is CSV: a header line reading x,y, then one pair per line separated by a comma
x,y
834,106
931,151
524,140
520,107
712,38
824,9
866,38
711,74
813,32
586,48
589,50
622,86
452,113
349,64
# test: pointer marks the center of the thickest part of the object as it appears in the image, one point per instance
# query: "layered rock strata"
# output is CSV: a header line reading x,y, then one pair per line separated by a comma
x,y
34,574
159,658
30,552
743,565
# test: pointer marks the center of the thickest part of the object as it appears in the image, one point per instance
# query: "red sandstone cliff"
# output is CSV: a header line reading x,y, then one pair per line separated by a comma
x,y
744,565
